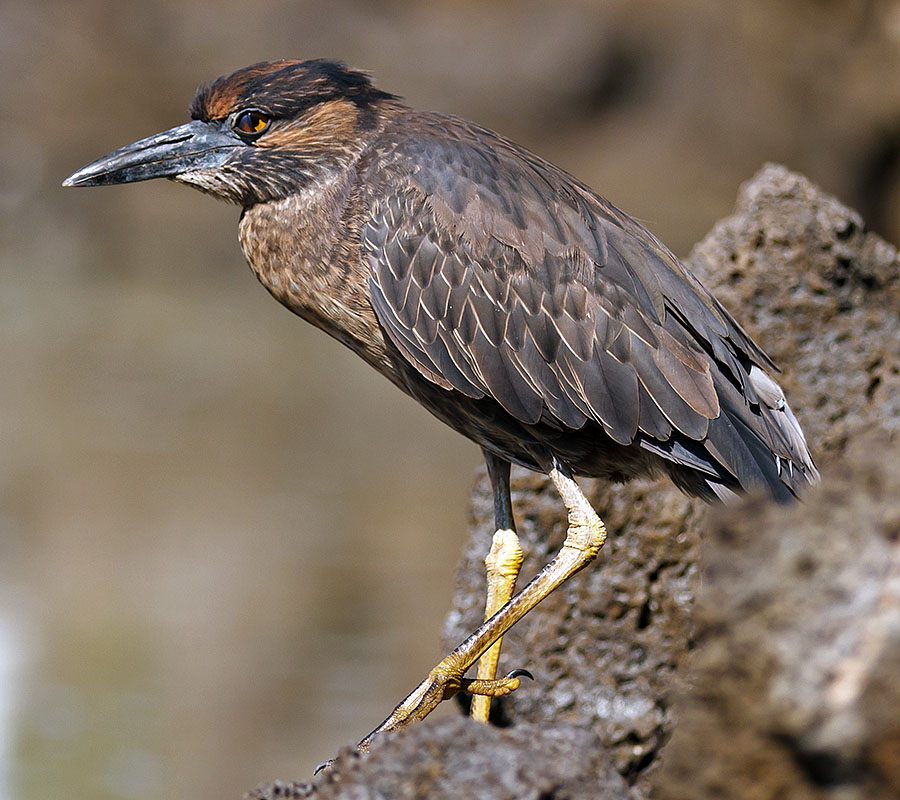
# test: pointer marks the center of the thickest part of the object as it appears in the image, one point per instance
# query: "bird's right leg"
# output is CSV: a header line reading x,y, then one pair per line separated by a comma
x,y
502,565
585,537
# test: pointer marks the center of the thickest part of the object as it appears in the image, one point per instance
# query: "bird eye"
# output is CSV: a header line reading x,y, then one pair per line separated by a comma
x,y
251,122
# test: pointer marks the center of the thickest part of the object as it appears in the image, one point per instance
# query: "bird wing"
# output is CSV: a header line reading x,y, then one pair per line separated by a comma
x,y
497,274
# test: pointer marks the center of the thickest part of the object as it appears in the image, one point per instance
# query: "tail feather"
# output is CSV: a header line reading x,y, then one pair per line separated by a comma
x,y
754,443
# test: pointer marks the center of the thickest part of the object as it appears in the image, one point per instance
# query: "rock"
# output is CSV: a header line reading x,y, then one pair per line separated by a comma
x,y
458,758
282,790
793,690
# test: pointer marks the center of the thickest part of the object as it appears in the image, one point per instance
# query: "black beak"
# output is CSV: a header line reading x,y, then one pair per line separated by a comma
x,y
193,146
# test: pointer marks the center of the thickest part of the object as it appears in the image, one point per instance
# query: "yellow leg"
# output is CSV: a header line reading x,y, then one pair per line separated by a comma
x,y
502,565
586,535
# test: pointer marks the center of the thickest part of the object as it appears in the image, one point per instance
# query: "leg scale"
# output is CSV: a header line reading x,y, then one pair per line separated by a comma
x,y
502,565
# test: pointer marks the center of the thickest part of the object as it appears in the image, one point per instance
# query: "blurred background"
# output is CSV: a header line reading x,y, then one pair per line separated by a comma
x,y
226,546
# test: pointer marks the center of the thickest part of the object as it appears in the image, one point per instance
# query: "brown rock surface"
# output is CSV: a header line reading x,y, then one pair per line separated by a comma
x,y
793,690
458,758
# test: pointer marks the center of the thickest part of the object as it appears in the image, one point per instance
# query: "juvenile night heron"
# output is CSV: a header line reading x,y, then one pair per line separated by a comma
x,y
505,296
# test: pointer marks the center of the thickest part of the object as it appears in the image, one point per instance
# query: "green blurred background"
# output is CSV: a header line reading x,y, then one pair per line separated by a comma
x,y
226,546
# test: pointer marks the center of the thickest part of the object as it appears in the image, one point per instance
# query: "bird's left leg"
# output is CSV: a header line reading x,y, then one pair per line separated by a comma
x,y
502,565
584,538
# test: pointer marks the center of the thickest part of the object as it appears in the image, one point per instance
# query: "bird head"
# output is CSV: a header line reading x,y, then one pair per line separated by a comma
x,y
260,134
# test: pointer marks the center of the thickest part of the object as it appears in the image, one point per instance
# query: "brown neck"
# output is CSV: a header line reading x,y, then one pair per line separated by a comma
x,y
305,250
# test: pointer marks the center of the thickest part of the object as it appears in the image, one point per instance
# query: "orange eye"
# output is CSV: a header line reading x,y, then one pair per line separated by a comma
x,y
251,122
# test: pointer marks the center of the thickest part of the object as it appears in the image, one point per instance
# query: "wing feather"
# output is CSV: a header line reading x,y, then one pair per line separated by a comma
x,y
496,274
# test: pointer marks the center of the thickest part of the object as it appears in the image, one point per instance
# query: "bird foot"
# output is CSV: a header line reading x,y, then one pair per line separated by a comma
x,y
442,684
441,687
483,687
495,687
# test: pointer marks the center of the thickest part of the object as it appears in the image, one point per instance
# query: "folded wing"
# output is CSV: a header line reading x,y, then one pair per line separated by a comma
x,y
496,274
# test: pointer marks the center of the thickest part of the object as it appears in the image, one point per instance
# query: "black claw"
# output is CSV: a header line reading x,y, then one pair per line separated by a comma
x,y
323,765
520,673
